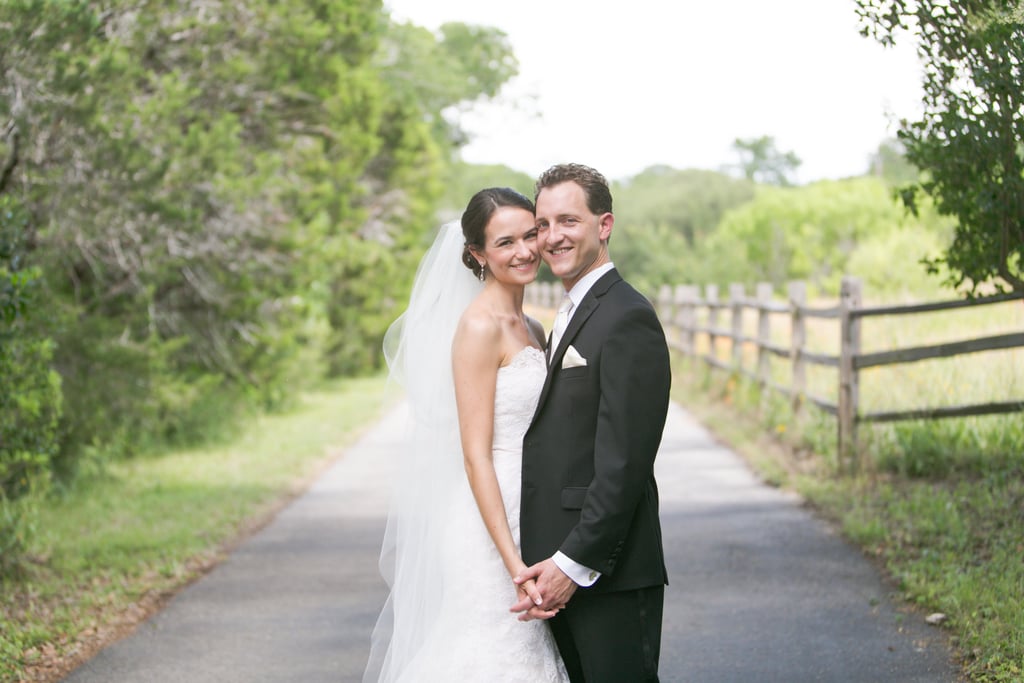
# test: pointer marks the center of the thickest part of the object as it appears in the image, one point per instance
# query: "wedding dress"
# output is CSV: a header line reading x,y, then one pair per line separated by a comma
x,y
447,615
476,637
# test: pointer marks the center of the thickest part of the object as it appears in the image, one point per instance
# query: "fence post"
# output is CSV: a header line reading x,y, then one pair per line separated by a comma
x,y
691,302
681,321
666,310
692,294
764,332
797,342
737,294
711,297
537,293
849,347
553,295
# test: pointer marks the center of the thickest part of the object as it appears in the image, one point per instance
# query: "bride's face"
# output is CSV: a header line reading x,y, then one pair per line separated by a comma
x,y
510,246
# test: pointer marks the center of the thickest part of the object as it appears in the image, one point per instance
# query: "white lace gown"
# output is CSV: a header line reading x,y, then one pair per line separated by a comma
x,y
477,638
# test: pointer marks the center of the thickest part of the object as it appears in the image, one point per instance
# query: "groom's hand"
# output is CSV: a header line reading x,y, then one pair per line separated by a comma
x,y
555,588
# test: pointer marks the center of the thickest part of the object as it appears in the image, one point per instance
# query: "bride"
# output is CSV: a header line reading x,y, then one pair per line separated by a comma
x,y
472,366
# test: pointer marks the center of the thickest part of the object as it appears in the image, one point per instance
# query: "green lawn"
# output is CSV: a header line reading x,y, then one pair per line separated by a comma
x,y
116,545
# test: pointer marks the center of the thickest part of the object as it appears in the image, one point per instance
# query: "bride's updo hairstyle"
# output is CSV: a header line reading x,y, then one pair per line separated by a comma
x,y
481,208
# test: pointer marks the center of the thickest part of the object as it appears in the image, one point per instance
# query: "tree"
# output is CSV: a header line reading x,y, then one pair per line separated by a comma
x,y
809,233
218,200
761,162
441,74
172,158
428,78
463,179
662,214
689,202
890,164
969,142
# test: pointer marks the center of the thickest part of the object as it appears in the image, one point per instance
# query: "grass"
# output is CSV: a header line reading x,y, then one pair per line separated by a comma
x,y
959,380
940,505
112,549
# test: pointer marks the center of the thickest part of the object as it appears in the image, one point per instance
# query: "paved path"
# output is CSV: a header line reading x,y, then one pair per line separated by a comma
x,y
760,592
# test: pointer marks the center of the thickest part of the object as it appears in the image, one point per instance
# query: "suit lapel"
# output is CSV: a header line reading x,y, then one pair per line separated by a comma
x,y
590,303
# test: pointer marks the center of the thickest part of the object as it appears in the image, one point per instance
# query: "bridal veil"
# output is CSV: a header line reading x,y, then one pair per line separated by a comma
x,y
418,350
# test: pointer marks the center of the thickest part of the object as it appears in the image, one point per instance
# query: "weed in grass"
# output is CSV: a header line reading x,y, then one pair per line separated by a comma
x,y
970,446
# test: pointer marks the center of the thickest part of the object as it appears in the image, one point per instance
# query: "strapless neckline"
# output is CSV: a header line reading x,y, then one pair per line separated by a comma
x,y
522,356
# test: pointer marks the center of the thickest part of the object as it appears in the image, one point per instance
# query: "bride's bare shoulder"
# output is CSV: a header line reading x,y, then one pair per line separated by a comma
x,y
478,326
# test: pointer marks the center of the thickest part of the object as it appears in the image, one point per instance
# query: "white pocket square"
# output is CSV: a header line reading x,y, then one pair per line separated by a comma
x,y
572,358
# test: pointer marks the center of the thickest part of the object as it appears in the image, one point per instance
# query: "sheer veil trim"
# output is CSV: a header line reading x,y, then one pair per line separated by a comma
x,y
418,351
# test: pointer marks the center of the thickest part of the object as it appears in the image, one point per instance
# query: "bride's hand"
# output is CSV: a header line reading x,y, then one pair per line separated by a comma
x,y
529,599
529,589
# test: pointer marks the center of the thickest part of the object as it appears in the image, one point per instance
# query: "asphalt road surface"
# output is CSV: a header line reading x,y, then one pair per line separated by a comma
x,y
760,590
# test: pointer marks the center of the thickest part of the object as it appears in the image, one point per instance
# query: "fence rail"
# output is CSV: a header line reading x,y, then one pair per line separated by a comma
x,y
683,307
692,317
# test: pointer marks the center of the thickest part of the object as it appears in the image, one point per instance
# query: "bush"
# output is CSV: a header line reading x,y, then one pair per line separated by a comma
x,y
30,397
29,414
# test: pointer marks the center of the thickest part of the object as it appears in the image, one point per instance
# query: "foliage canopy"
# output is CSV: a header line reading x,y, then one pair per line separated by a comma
x,y
205,205
762,162
970,140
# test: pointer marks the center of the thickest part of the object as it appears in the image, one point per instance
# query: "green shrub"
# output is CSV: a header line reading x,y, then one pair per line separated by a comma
x,y
29,413
30,392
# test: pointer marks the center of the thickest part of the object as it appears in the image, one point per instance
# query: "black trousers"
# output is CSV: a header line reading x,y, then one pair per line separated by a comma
x,y
611,637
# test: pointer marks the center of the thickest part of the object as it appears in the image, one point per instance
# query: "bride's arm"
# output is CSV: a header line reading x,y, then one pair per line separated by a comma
x,y
476,356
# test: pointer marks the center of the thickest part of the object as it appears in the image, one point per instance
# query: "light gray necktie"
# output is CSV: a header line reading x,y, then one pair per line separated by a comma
x,y
561,321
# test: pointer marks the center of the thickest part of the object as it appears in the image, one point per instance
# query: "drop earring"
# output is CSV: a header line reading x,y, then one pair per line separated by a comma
x,y
481,274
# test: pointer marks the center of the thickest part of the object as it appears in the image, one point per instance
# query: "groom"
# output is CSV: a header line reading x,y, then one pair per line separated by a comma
x,y
589,513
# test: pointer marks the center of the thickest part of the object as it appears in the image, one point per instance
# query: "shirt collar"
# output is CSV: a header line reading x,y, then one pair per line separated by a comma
x,y
580,289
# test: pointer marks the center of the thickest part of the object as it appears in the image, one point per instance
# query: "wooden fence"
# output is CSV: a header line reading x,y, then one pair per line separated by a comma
x,y
690,317
680,308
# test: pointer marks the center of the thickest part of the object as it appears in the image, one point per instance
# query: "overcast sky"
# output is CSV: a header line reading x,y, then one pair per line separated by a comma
x,y
625,85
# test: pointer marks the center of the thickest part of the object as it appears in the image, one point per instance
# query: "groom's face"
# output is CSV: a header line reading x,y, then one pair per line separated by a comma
x,y
572,240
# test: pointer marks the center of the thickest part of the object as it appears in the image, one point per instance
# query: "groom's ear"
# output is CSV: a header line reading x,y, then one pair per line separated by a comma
x,y
605,223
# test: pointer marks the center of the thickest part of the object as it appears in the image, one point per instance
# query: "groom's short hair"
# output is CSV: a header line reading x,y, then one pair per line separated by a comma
x,y
595,187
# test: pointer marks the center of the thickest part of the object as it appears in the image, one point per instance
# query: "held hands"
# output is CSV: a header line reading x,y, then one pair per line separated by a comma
x,y
529,597
544,590
530,600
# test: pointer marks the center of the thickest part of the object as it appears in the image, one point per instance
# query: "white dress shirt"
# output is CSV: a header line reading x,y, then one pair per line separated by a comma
x,y
581,575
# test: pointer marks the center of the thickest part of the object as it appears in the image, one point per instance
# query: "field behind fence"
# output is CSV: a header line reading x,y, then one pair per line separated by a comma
x,y
857,359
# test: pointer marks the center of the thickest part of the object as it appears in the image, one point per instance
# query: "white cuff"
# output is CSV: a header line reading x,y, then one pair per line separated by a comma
x,y
582,576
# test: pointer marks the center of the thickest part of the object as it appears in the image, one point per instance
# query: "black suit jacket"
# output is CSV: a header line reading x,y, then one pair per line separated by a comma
x,y
588,484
